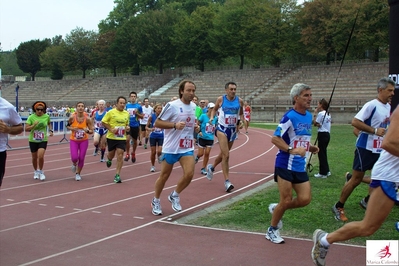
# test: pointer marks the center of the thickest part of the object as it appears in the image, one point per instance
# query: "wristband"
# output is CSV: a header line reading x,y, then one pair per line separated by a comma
x,y
174,126
238,122
51,131
375,131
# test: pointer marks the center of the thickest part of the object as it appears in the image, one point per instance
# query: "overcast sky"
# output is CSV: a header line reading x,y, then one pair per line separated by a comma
x,y
25,20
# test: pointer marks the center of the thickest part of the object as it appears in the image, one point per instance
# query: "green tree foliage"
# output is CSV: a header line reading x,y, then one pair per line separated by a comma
x,y
53,59
108,53
79,45
8,64
326,26
152,39
155,34
28,56
192,39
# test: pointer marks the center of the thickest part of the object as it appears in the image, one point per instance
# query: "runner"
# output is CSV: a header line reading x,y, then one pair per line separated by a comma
x,y
38,124
80,126
99,139
156,136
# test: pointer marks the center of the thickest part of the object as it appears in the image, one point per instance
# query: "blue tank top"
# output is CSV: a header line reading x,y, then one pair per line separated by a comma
x,y
229,112
158,132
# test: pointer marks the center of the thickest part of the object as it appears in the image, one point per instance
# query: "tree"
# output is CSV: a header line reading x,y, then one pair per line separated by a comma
x,y
53,59
151,39
236,30
109,52
28,56
79,45
191,37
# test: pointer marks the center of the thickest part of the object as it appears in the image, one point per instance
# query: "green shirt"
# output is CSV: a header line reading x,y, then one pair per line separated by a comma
x,y
198,112
39,132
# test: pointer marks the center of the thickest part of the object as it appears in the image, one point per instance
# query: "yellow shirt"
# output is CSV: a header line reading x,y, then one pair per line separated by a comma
x,y
117,119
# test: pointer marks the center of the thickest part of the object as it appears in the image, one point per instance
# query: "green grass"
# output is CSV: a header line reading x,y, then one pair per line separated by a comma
x,y
251,213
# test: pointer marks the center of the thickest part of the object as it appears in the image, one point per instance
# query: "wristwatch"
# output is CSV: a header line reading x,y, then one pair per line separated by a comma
x,y
289,149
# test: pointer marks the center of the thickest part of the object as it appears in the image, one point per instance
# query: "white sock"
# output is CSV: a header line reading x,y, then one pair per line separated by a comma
x,y
324,241
175,194
155,200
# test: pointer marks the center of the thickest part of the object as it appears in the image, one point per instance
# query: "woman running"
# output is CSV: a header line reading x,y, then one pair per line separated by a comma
x,y
156,136
80,125
38,123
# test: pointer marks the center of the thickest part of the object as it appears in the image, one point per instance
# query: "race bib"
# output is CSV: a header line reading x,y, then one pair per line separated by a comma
x,y
230,120
377,141
186,143
98,124
132,112
209,128
120,133
79,134
38,135
302,142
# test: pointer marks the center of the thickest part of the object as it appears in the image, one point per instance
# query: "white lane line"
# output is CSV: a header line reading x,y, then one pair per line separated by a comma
x,y
125,180
96,211
137,217
116,214
138,227
9,199
59,207
42,204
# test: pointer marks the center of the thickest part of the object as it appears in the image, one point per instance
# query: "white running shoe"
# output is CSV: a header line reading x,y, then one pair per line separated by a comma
x,y
319,252
318,175
42,177
156,207
272,206
36,175
175,200
73,168
78,177
209,172
228,186
152,169
274,236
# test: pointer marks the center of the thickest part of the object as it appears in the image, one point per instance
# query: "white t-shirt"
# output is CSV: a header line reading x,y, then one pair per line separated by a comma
x,y
179,141
386,168
325,126
9,116
147,112
375,114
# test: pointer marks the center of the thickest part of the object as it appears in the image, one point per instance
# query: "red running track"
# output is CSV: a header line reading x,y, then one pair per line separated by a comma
x,y
61,221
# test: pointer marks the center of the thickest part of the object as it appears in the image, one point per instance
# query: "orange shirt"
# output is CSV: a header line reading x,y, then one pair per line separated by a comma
x,y
79,135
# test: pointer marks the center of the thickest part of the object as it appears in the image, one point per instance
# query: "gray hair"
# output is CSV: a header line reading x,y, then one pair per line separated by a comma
x,y
101,101
383,83
297,90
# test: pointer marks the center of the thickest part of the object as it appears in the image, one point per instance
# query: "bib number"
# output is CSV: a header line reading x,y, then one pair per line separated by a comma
x,y
79,134
230,120
120,133
38,135
377,141
302,143
186,143
209,128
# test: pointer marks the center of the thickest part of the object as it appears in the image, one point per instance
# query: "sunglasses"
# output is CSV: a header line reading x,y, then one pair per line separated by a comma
x,y
39,110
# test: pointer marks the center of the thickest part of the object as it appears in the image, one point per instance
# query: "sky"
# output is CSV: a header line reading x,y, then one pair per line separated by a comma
x,y
25,20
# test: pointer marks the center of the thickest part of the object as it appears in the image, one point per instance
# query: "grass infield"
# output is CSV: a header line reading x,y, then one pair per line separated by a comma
x,y
251,213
